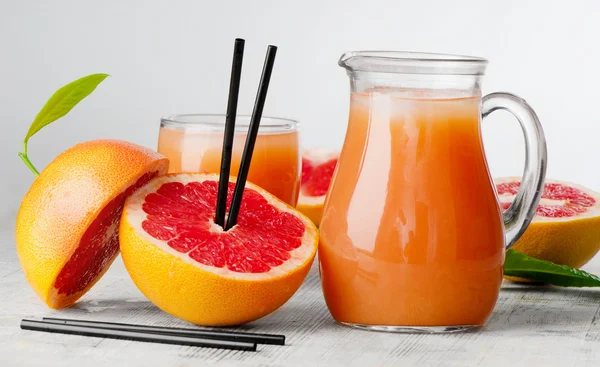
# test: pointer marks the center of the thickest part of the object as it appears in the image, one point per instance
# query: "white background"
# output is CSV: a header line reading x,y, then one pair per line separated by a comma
x,y
174,57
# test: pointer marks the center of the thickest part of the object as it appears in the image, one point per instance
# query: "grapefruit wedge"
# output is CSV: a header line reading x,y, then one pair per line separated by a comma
x,y
318,166
190,268
67,226
566,226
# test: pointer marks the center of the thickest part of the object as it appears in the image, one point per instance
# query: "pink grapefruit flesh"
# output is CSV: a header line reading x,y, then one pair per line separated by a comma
x,y
558,200
182,215
316,177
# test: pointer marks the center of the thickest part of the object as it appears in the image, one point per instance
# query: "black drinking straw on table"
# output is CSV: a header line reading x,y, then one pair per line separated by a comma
x,y
257,338
259,104
63,328
234,89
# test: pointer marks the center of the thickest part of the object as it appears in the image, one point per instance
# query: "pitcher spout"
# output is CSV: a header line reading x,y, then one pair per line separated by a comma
x,y
401,62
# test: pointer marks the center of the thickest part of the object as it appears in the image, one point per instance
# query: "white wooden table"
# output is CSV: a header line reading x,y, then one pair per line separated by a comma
x,y
531,326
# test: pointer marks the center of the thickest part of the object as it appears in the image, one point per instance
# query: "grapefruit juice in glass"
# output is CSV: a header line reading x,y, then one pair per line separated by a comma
x,y
412,235
193,143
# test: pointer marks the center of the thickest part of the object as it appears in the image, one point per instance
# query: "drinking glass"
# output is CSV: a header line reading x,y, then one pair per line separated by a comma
x,y
194,142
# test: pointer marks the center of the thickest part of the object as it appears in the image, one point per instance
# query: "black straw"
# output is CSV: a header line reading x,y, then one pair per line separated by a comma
x,y
259,104
234,89
53,327
203,333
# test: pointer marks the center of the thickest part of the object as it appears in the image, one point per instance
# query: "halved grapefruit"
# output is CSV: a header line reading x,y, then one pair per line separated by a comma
x,y
190,268
67,226
318,166
566,226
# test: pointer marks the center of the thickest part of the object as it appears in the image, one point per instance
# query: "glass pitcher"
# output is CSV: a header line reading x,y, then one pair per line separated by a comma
x,y
412,235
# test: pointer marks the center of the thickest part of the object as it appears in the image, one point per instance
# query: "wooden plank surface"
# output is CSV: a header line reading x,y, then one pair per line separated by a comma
x,y
530,326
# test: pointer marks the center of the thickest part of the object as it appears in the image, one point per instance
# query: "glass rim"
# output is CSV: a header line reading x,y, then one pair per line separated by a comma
x,y
409,62
217,121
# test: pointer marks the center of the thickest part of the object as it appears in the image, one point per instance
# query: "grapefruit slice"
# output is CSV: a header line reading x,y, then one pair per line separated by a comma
x,y
67,225
566,226
318,166
190,268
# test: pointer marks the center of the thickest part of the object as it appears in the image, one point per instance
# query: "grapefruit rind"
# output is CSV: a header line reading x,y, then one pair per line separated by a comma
x,y
312,207
204,294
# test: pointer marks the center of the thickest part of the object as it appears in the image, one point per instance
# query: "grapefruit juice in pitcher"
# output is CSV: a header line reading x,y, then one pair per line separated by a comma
x,y
412,236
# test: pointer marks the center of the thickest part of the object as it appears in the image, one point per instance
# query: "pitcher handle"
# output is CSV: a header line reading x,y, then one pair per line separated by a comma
x,y
521,211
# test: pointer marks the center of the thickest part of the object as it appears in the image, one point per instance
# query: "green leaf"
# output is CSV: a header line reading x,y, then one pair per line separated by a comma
x,y
520,265
61,102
